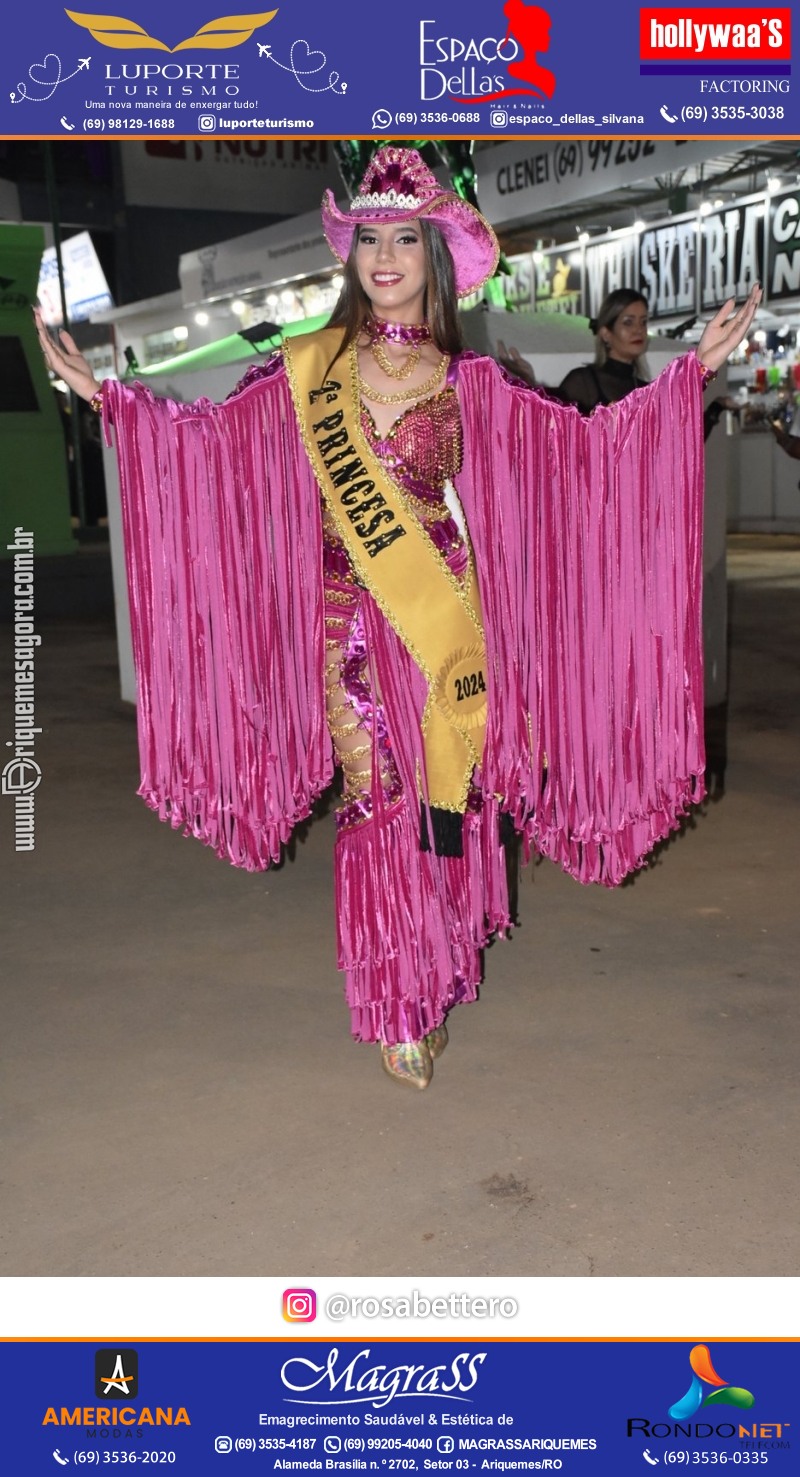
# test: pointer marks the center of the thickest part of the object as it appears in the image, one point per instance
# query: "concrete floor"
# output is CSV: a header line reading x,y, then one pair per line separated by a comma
x,y
181,1095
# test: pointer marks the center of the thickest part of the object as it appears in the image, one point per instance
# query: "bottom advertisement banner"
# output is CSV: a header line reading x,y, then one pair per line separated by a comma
x,y
381,1406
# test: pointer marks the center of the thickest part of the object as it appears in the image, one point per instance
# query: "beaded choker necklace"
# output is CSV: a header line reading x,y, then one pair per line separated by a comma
x,y
412,334
408,338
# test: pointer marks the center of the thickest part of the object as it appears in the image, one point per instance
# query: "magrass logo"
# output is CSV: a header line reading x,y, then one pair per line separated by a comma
x,y
127,35
703,1374
356,1381
116,1374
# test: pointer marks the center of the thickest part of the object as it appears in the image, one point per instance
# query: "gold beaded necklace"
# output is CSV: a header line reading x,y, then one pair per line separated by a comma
x,y
413,392
395,372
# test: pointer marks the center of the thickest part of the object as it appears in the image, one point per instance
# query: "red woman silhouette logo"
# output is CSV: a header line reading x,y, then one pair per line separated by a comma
x,y
530,27
527,34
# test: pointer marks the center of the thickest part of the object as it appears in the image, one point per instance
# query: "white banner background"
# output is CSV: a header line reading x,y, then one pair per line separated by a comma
x,y
280,176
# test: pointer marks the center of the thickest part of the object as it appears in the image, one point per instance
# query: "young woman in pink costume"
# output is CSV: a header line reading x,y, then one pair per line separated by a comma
x,y
382,552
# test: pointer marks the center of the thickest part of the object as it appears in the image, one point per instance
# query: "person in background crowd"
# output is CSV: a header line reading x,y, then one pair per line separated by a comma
x,y
620,330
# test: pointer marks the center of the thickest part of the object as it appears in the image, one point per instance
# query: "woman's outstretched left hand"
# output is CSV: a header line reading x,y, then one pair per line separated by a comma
x,y
724,333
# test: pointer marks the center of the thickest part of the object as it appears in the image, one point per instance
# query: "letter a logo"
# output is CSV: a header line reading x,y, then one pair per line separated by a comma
x,y
116,1374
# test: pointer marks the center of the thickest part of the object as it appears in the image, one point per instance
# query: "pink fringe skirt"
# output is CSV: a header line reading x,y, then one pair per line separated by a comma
x,y
411,925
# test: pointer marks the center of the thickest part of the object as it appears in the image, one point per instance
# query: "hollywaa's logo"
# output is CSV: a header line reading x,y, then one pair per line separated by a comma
x,y
527,36
125,35
703,1374
719,33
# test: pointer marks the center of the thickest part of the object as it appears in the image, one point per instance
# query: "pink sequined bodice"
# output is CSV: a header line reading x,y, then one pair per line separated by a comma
x,y
421,452
423,447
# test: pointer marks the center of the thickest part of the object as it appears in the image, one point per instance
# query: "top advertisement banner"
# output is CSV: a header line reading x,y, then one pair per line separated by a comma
x,y
430,67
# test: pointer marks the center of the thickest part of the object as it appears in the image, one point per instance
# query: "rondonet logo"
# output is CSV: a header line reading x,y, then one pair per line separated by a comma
x,y
707,1392
359,1382
721,33
126,35
698,1394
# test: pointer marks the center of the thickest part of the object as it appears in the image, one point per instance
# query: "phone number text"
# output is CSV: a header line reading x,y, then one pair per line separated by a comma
x,y
437,117
699,113
103,1458
125,125
714,1458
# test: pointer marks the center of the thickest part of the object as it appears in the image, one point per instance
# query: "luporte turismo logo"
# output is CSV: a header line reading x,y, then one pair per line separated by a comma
x,y
127,35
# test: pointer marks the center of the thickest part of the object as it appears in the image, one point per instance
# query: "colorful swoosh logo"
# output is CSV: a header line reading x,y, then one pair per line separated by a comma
x,y
704,1373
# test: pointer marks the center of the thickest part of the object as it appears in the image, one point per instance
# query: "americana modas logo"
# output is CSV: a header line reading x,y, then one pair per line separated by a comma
x,y
116,1374
699,1394
127,35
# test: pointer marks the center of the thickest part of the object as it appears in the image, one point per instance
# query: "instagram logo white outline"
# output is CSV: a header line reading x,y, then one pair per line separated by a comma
x,y
302,1298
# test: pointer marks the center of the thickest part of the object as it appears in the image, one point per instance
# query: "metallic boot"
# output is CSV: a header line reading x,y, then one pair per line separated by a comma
x,y
408,1061
436,1041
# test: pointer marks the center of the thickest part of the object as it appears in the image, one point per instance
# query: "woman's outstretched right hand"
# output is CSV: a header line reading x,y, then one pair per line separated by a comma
x,y
63,356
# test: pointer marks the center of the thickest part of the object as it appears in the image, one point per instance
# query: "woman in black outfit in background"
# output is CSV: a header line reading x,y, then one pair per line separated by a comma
x,y
620,330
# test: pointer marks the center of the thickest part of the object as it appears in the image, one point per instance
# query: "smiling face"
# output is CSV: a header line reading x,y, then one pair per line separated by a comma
x,y
626,338
393,271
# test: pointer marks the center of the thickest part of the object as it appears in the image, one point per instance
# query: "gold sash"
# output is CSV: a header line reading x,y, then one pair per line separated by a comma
x,y
438,621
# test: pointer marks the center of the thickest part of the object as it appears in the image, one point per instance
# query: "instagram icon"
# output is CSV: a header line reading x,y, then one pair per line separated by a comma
x,y
299,1305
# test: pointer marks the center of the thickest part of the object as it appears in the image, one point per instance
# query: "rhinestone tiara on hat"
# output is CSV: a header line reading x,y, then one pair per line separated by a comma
x,y
396,179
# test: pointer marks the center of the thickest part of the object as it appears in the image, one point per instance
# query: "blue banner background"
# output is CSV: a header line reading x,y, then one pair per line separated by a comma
x,y
367,77
550,1391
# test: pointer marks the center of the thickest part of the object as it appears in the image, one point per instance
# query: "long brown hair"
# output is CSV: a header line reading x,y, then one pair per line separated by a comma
x,y
440,304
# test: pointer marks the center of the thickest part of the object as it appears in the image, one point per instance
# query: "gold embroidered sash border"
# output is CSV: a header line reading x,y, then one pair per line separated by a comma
x,y
438,621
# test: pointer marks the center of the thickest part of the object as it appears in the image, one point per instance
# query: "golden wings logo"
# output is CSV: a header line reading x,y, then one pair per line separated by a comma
x,y
115,30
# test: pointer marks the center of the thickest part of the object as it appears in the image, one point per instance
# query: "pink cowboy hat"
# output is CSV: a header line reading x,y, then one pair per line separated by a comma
x,y
398,186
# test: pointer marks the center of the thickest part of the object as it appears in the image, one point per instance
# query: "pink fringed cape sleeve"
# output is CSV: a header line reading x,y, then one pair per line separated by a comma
x,y
587,536
223,549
